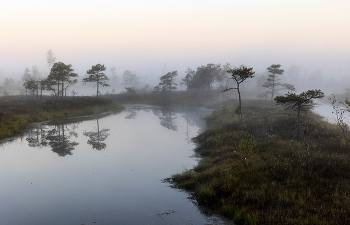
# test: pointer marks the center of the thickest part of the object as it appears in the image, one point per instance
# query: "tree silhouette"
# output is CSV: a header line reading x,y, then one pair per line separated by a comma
x,y
130,78
303,100
273,80
206,76
167,82
187,79
61,75
95,74
50,58
239,75
114,77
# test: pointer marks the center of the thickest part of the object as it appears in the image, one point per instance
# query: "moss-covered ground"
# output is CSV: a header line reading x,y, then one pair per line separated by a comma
x,y
271,168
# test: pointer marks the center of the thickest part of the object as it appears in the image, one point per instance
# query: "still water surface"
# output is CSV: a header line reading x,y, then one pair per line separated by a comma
x,y
106,169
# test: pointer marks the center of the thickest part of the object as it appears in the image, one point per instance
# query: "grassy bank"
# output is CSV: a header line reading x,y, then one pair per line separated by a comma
x,y
17,112
271,168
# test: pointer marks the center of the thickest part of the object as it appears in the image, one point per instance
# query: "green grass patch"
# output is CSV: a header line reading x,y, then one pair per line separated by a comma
x,y
265,170
17,112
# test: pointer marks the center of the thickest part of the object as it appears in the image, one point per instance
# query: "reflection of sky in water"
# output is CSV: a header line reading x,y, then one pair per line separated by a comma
x,y
118,184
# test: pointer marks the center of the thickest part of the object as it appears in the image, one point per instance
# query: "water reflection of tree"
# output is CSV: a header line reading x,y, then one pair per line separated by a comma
x,y
59,141
35,139
97,137
189,121
167,118
131,114
55,137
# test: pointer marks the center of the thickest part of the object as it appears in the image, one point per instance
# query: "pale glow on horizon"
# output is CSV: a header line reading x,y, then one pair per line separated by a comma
x,y
165,29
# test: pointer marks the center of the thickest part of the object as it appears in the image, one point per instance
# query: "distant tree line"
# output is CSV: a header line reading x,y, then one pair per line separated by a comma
x,y
205,78
60,78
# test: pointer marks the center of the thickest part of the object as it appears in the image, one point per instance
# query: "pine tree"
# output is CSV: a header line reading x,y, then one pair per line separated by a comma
x,y
273,81
61,75
239,75
167,82
96,74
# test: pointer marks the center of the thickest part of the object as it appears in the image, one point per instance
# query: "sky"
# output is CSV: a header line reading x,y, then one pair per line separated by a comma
x,y
151,36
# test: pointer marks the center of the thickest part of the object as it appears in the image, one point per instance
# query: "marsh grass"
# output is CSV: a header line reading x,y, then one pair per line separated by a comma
x,y
17,112
258,172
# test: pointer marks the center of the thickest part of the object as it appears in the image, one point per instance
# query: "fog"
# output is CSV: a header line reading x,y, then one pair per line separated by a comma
x,y
144,37
328,71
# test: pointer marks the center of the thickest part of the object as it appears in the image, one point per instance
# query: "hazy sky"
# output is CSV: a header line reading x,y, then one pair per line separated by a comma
x,y
143,35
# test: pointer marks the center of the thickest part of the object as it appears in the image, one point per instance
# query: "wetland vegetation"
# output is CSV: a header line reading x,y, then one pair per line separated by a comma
x,y
271,168
260,163
17,112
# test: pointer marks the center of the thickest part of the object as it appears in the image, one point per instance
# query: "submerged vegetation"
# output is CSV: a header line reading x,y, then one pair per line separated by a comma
x,y
16,112
271,168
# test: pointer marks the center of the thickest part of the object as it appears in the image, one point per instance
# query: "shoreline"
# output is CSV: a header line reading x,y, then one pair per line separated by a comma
x,y
259,171
20,111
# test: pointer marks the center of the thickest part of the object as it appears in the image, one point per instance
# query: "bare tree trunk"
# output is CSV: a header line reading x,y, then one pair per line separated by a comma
x,y
273,88
58,89
41,90
62,88
97,88
240,101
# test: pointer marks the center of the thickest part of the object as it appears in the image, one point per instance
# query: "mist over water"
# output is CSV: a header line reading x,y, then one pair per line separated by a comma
x,y
103,169
108,168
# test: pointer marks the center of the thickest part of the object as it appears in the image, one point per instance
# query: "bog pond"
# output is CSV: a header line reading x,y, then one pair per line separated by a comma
x,y
104,169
